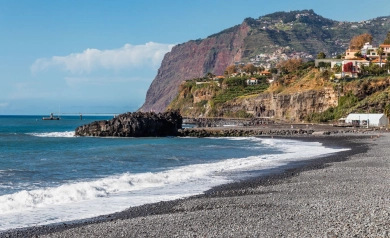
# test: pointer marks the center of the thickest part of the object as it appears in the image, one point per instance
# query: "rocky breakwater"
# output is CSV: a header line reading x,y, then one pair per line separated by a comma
x,y
199,132
257,131
137,124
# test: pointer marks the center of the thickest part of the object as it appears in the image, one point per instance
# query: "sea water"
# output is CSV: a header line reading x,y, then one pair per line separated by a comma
x,y
47,175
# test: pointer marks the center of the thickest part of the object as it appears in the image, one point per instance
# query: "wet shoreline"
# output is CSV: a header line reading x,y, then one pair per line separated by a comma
x,y
237,189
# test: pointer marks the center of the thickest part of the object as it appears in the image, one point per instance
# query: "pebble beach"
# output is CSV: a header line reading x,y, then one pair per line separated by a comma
x,y
341,195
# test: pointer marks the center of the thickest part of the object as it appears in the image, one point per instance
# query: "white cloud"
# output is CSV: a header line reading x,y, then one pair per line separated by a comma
x,y
4,104
129,56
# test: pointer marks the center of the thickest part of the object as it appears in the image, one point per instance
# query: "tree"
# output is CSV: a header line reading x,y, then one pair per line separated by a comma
x,y
231,69
357,42
337,68
249,68
388,62
324,65
273,70
374,69
380,51
321,55
358,54
339,56
210,75
260,69
387,40
290,65
364,69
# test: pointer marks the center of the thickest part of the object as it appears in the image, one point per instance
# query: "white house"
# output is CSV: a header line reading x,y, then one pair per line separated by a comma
x,y
252,81
373,120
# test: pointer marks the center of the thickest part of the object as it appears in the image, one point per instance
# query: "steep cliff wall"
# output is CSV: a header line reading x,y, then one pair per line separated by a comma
x,y
191,60
290,106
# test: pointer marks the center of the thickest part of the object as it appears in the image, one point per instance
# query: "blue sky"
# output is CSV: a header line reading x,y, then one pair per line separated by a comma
x,y
101,56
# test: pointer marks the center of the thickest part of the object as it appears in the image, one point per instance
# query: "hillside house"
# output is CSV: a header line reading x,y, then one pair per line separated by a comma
x,y
252,81
351,68
379,62
350,54
367,48
386,50
266,73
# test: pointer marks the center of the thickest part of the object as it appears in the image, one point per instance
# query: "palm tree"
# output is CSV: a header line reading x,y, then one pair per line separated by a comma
x,y
388,63
379,51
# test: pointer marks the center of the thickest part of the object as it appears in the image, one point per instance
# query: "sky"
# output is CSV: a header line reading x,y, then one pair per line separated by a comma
x,y
97,56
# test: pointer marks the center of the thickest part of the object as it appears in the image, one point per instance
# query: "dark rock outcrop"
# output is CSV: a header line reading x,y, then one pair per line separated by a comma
x,y
137,124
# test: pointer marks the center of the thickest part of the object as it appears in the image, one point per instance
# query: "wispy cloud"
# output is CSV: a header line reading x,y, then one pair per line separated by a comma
x,y
128,56
4,104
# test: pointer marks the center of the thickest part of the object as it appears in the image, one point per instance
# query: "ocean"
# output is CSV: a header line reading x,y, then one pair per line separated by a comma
x,y
49,176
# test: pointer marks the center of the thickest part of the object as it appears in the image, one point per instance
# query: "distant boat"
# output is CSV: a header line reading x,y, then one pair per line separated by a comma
x,y
52,117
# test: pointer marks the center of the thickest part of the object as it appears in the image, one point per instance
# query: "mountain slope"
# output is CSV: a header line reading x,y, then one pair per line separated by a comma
x,y
302,32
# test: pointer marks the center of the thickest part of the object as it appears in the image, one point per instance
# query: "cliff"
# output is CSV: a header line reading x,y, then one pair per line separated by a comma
x,y
302,33
194,59
136,124
303,95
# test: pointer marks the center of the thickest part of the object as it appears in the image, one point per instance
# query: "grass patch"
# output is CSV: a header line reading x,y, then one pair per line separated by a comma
x,y
238,91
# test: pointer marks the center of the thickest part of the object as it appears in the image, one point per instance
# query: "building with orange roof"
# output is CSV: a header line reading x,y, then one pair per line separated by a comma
x,y
266,73
386,49
379,62
219,77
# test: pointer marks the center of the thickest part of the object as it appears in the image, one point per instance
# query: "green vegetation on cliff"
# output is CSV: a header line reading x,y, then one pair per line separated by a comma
x,y
369,94
299,92
205,96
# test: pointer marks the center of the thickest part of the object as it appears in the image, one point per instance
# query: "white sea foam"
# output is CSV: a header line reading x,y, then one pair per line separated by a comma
x,y
86,199
53,134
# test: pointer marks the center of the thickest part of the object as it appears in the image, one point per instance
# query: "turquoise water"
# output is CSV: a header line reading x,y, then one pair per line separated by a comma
x,y
47,175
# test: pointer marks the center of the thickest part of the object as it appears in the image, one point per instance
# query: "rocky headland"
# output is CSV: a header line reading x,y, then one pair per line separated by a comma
x,y
137,124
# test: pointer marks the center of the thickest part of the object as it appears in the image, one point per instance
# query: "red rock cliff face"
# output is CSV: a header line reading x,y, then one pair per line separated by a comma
x,y
191,60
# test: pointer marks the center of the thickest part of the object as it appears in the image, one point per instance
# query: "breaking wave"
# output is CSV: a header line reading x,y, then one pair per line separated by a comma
x,y
54,134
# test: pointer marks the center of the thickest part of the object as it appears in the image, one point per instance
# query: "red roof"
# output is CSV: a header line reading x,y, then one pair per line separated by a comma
x,y
378,61
265,72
